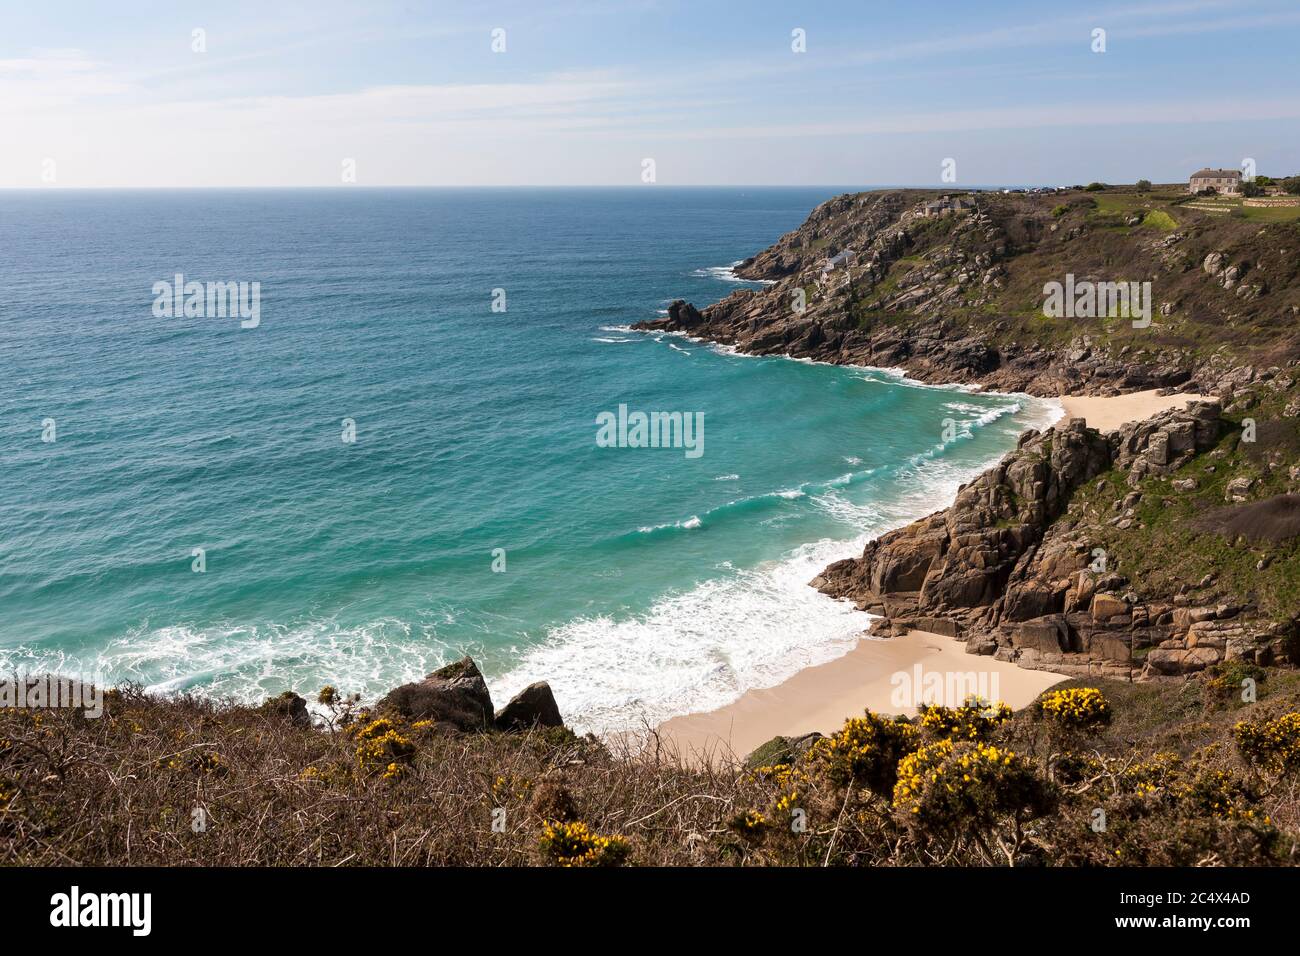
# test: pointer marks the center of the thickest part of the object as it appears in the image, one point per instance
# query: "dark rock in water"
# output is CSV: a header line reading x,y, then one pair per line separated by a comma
x,y
780,750
682,313
534,706
289,706
455,695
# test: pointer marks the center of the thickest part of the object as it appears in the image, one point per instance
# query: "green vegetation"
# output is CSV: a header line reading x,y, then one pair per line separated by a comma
x,y
1174,538
1159,219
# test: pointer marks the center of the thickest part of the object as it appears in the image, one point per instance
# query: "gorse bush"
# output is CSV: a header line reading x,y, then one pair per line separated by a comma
x,y
865,752
1076,708
573,844
1272,745
382,749
976,719
945,786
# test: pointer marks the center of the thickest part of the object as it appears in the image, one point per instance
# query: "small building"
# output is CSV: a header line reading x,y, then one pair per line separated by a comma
x,y
946,205
1226,182
840,261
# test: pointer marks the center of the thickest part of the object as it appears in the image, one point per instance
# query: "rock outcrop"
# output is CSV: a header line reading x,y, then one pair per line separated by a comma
x,y
455,695
1006,569
288,706
871,279
534,706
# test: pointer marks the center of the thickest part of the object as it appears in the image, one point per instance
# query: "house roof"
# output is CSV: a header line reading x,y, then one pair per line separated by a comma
x,y
1216,174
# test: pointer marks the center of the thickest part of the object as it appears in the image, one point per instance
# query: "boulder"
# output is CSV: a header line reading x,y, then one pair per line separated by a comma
x,y
781,750
684,314
1048,635
455,695
1106,606
288,706
1171,661
534,706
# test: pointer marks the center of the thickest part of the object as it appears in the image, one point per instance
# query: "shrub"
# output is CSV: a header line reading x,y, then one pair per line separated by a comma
x,y
946,785
1271,745
1075,708
1220,793
1094,187
552,800
573,844
1228,679
1146,777
381,747
865,752
751,826
1060,210
976,719
1144,185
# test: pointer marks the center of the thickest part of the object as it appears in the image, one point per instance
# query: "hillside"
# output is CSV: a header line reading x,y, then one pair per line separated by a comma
x,y
959,297
1136,774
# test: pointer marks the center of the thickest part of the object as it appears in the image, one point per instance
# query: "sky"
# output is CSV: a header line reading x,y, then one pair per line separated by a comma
x,y
139,93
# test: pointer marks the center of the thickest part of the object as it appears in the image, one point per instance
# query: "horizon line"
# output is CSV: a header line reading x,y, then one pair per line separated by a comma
x,y
942,187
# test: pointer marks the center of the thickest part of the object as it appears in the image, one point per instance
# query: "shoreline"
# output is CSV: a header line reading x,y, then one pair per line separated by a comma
x,y
885,675
1108,412
819,698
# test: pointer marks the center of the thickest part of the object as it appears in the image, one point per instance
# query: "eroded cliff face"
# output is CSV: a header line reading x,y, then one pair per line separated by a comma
x,y
1015,568
958,297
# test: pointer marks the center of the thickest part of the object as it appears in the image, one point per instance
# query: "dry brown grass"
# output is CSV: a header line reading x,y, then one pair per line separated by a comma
x,y
123,790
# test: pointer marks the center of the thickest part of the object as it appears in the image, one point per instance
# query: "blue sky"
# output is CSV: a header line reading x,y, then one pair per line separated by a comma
x,y
95,94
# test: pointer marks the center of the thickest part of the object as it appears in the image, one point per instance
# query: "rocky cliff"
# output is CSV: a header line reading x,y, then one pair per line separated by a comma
x,y
959,297
1020,565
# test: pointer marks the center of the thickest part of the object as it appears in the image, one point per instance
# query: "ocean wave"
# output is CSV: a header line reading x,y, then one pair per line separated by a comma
x,y
701,649
688,524
610,340
694,650
728,274
248,663
818,489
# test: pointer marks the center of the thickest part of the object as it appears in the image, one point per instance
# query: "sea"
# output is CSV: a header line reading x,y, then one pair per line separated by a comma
x,y
395,459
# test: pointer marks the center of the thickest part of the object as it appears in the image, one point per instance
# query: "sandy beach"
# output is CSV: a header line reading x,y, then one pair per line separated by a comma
x,y
1106,412
879,673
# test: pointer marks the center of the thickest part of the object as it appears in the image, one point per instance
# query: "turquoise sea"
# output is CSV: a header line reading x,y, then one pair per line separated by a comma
x,y
641,582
